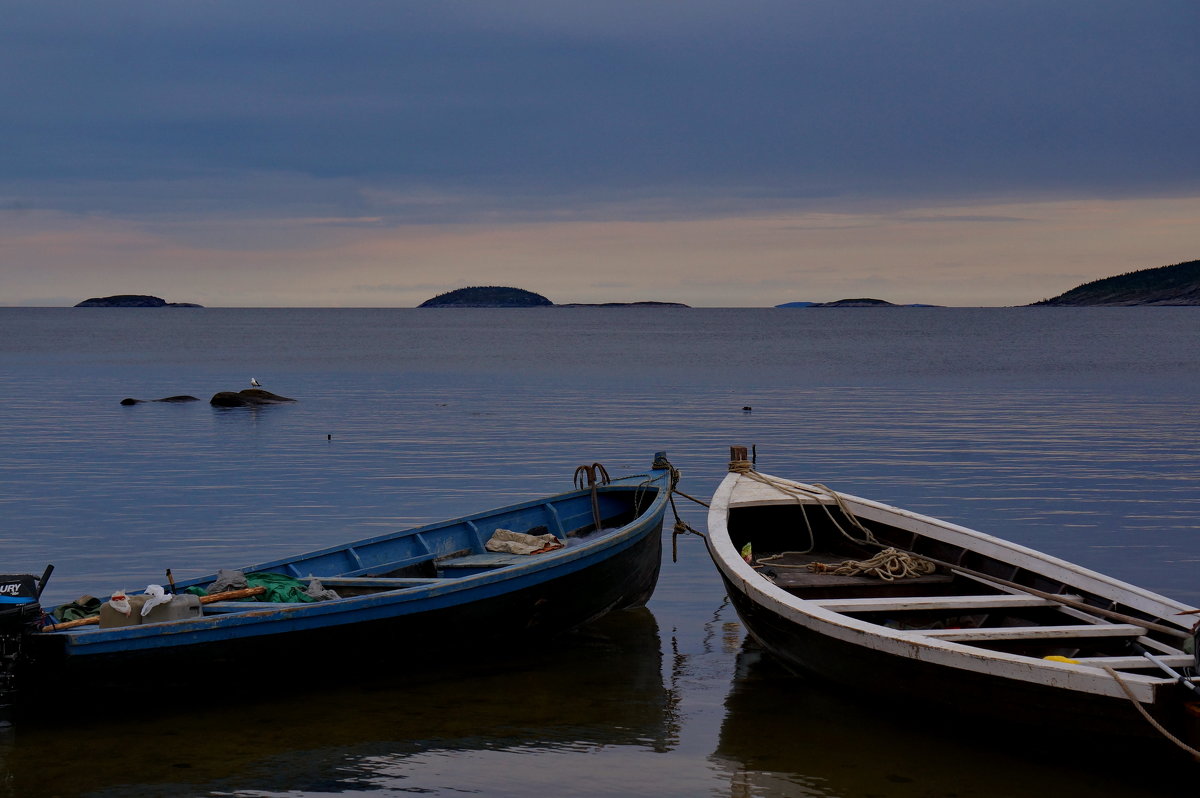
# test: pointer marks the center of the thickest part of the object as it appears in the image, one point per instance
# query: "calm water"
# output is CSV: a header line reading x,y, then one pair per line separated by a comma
x,y
1071,430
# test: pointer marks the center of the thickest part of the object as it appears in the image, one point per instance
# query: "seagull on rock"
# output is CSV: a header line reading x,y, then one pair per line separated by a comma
x,y
255,383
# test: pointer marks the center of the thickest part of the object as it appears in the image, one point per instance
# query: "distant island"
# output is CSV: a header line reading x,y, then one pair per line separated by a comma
x,y
133,301
496,296
488,296
1163,285
623,305
861,302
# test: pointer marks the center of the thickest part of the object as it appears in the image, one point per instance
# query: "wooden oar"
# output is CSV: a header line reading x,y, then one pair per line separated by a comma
x,y
229,595
1079,605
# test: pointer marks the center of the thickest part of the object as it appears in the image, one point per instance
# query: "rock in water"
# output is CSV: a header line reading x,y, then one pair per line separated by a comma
x,y
247,398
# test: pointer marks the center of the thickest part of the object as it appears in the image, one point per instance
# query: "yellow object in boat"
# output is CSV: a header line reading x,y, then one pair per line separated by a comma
x,y
1056,658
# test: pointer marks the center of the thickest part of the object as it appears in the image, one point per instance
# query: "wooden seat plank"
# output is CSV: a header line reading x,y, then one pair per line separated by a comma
x,y
248,606
987,602
375,581
1036,632
395,565
486,560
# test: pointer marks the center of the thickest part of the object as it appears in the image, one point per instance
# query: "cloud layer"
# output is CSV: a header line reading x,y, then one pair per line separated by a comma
x,y
251,127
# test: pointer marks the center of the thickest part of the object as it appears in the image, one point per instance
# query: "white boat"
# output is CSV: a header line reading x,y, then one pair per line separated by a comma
x,y
976,624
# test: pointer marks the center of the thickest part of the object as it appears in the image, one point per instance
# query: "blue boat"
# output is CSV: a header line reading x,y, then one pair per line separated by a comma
x,y
408,598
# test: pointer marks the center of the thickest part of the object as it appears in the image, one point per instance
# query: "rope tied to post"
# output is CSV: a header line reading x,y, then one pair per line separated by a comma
x,y
817,494
889,564
680,527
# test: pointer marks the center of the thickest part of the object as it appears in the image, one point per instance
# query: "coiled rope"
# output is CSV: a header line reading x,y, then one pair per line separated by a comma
x,y
888,565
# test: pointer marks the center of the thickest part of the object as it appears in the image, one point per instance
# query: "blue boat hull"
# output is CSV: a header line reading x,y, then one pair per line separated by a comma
x,y
409,599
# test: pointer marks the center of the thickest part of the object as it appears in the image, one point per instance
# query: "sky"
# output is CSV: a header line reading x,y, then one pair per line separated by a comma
x,y
374,154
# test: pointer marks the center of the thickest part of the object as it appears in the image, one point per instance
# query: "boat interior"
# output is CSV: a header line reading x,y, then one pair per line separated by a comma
x,y
968,598
428,555
416,558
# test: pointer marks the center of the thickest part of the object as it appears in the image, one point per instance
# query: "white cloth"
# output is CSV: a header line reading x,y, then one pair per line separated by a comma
x,y
506,541
157,596
120,602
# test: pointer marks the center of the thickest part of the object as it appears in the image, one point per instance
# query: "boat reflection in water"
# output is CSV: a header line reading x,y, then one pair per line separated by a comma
x,y
599,687
785,735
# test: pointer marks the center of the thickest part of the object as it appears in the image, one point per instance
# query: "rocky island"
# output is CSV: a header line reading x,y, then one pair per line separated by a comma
x,y
862,302
496,296
488,296
133,301
1165,285
623,305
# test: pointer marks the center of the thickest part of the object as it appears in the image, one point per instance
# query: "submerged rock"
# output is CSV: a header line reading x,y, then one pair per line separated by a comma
x,y
129,401
247,398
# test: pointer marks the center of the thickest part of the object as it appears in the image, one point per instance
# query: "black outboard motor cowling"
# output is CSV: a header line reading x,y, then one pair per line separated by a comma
x,y
18,601
19,614
17,588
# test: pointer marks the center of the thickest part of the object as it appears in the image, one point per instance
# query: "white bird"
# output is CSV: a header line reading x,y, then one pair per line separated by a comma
x,y
255,383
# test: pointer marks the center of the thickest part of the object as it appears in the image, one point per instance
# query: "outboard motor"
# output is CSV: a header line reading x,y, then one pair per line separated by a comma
x,y
20,611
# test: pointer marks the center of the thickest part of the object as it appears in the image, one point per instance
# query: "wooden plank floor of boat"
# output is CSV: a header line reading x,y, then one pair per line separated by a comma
x,y
789,571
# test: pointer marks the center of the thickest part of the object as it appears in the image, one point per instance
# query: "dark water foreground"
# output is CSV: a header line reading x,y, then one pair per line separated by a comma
x,y
600,713
381,733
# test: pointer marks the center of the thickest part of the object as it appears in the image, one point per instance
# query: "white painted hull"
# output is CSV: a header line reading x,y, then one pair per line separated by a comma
x,y
821,636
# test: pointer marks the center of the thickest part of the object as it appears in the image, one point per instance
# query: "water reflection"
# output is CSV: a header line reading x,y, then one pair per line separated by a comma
x,y
597,690
784,736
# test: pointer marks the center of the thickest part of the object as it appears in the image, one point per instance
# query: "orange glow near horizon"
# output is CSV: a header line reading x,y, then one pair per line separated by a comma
x,y
986,255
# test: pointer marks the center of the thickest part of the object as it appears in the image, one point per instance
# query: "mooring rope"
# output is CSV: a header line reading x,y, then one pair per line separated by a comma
x,y
1142,710
680,526
889,564
803,495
